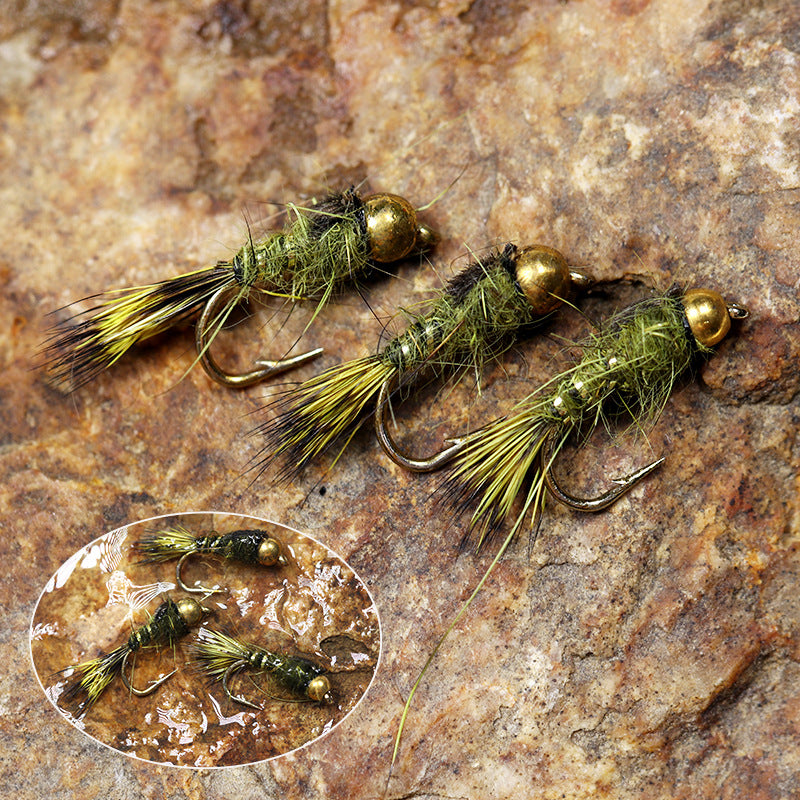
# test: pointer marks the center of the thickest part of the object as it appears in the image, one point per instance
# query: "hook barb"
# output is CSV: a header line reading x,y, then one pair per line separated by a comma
x,y
142,692
231,379
389,446
589,504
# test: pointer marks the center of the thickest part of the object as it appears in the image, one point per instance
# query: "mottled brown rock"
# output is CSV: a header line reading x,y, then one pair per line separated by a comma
x,y
647,652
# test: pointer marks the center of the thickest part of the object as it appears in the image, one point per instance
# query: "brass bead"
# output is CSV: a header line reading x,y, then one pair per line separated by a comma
x,y
191,612
391,227
544,277
318,687
707,314
269,552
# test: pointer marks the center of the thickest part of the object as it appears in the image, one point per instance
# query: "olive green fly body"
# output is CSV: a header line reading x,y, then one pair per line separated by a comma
x,y
220,656
475,318
319,250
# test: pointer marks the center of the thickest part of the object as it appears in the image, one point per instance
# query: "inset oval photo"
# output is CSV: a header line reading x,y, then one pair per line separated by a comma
x,y
205,640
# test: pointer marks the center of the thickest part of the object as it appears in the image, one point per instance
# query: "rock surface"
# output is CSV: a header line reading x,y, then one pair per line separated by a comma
x,y
647,652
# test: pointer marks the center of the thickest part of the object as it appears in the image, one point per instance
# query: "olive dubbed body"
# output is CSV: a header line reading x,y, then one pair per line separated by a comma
x,y
631,363
319,250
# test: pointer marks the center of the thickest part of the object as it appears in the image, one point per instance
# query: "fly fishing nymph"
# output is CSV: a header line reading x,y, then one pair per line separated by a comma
x,y
317,252
632,363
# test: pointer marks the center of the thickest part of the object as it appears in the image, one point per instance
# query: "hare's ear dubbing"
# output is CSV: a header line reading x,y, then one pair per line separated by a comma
x,y
319,250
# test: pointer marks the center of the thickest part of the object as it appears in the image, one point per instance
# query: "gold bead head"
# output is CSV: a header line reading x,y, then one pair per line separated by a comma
x,y
544,277
269,552
318,687
707,315
392,228
191,612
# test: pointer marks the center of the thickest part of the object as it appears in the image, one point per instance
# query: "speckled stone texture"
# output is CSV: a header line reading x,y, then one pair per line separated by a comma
x,y
650,651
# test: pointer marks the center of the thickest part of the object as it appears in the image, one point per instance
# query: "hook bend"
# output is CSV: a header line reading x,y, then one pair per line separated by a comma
x,y
589,504
235,667
142,692
389,446
266,369
198,589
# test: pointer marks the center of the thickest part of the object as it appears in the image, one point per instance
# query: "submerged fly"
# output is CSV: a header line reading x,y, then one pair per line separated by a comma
x,y
318,250
254,547
172,621
220,657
